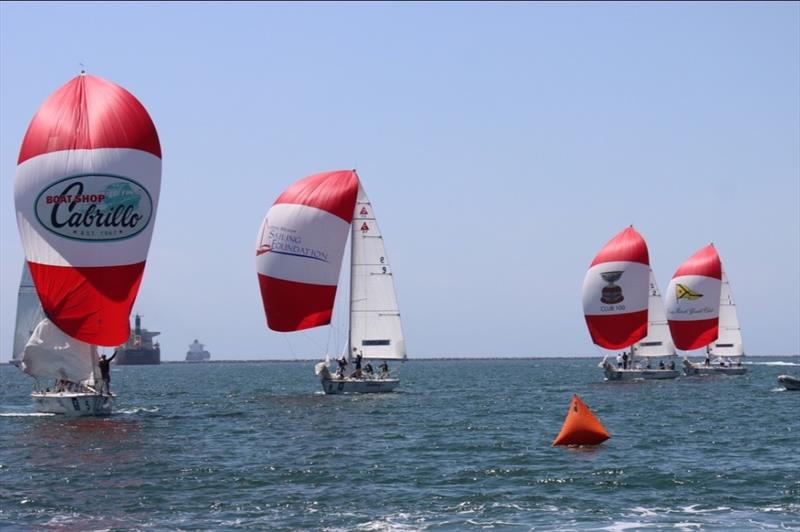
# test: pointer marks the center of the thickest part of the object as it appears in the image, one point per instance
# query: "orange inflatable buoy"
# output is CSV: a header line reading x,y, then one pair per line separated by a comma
x,y
581,427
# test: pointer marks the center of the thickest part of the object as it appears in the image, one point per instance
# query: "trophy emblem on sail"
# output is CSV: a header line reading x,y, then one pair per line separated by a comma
x,y
611,293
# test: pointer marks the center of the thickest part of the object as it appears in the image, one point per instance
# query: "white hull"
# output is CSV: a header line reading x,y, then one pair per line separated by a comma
x,y
348,385
617,374
701,369
789,382
72,403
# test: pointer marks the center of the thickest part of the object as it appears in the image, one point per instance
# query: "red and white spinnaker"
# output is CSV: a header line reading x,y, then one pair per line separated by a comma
x,y
300,247
615,291
693,299
86,193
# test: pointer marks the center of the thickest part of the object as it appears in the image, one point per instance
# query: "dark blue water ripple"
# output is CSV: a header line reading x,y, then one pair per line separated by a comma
x,y
465,444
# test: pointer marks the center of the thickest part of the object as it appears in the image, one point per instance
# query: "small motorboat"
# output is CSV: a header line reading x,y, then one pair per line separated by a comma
x,y
789,382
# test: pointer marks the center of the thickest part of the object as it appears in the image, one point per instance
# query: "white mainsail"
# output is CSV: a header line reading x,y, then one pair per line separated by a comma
x,y
376,331
29,313
729,341
52,354
658,342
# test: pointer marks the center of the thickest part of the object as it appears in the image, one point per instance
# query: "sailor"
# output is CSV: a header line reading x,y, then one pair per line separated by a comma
x,y
672,364
357,374
624,360
661,365
619,360
342,366
105,373
708,357
368,369
384,370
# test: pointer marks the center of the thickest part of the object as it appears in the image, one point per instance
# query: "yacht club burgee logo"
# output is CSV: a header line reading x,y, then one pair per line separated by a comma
x,y
94,207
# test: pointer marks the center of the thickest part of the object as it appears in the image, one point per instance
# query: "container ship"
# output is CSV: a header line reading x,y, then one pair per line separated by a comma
x,y
196,353
139,349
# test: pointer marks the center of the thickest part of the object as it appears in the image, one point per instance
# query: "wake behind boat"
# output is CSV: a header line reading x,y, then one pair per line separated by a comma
x,y
299,255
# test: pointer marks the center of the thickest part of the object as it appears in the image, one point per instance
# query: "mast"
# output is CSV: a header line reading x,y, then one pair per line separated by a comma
x,y
352,275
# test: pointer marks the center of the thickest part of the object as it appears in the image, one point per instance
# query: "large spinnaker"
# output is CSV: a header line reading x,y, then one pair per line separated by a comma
x,y
376,330
692,300
300,247
86,194
615,291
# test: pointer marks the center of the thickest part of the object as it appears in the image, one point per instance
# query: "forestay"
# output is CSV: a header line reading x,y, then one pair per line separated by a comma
x,y
658,342
615,289
29,313
86,194
693,298
729,343
375,327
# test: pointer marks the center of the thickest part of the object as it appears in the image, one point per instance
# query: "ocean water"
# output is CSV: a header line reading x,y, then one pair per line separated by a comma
x,y
464,445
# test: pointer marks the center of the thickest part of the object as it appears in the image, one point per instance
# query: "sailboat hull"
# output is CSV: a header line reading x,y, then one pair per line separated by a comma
x,y
691,369
73,404
348,386
614,374
789,382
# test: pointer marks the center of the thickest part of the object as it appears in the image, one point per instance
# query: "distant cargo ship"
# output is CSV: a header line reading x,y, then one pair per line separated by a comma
x,y
196,353
139,349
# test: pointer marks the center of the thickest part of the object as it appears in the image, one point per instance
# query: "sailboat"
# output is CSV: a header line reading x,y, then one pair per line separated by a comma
x,y
86,194
623,309
700,318
42,351
299,253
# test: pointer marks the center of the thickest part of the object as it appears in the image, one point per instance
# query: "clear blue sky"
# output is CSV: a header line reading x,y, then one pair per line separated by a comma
x,y
501,144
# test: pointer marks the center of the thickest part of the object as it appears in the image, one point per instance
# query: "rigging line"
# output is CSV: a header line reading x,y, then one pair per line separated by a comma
x,y
291,351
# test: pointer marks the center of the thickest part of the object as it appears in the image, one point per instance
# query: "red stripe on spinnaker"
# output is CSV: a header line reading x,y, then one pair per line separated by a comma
x,y
91,304
627,245
87,113
292,306
334,192
618,331
705,262
689,335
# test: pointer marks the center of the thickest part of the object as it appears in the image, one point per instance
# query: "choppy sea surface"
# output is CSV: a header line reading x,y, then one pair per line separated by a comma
x,y
465,444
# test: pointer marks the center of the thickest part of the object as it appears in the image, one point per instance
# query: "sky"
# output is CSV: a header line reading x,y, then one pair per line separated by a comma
x,y
501,144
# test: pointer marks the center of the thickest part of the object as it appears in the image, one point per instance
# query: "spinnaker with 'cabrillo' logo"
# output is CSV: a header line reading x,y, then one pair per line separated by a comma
x,y
299,255
86,193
